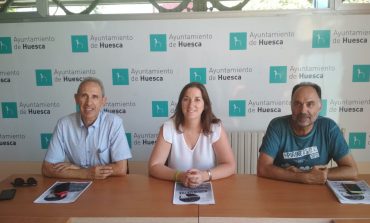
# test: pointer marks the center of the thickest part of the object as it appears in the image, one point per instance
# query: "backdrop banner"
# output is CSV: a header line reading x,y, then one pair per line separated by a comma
x,y
248,64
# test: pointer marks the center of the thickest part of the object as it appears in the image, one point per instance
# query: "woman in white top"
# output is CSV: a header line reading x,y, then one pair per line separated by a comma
x,y
192,147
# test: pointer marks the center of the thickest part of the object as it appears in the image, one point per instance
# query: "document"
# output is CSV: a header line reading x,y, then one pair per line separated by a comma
x,y
203,194
346,197
63,192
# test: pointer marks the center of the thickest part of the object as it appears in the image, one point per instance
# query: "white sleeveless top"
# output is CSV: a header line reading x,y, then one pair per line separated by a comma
x,y
182,157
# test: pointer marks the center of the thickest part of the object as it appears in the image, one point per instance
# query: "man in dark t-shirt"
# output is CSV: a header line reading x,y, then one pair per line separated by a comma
x,y
298,147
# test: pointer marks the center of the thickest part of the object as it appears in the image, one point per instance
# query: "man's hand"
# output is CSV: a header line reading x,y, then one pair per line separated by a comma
x,y
100,172
317,175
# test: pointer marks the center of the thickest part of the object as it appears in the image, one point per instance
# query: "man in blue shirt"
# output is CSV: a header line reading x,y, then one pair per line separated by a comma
x,y
298,147
90,144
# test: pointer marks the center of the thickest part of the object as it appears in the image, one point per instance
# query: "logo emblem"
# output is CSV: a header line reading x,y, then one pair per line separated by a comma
x,y
79,44
324,107
120,76
357,140
237,108
128,136
238,41
158,43
278,74
159,109
361,73
5,45
198,75
9,109
321,39
45,140
44,78
78,108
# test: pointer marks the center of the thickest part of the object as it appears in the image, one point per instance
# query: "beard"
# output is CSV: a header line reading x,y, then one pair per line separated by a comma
x,y
303,120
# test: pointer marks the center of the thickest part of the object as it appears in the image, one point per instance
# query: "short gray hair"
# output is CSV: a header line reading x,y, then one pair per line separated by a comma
x,y
92,79
307,84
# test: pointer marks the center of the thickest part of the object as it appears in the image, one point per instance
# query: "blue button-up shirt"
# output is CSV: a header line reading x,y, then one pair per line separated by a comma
x,y
101,143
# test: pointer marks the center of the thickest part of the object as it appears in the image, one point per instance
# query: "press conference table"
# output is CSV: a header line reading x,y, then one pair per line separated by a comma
x,y
138,198
254,199
115,197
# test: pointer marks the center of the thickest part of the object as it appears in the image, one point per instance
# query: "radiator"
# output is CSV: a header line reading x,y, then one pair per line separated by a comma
x,y
245,145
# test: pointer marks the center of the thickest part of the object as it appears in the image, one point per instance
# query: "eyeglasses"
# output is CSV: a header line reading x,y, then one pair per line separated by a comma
x,y
20,182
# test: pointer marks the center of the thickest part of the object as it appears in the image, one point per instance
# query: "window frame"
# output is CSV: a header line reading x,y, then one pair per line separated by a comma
x,y
340,6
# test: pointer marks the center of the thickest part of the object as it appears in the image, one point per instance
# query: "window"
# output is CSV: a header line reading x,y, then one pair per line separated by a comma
x,y
65,7
352,4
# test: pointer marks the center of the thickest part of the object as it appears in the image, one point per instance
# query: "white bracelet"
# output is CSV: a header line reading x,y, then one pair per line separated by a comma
x,y
209,175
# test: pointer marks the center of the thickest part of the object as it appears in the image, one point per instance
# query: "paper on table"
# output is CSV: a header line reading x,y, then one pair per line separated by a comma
x,y
202,194
74,191
345,198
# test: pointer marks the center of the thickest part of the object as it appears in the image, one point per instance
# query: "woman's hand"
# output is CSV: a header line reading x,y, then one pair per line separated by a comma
x,y
194,177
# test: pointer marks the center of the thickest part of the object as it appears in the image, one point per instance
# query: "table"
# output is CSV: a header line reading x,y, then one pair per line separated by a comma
x,y
138,198
352,221
253,199
133,196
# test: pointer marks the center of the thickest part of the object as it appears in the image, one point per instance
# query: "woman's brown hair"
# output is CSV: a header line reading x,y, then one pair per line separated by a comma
x,y
207,117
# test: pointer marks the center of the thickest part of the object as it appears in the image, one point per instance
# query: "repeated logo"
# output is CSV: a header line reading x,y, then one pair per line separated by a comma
x,y
120,77
5,45
237,108
198,75
158,43
44,77
129,139
45,140
9,109
357,140
238,41
321,39
278,74
361,73
324,107
159,109
80,44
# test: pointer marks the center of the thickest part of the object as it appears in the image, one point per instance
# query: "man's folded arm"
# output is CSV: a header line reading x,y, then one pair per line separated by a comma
x,y
69,170
64,170
346,169
266,168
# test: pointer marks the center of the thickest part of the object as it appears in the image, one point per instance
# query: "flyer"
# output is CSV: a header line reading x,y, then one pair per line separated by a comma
x,y
202,194
63,192
345,197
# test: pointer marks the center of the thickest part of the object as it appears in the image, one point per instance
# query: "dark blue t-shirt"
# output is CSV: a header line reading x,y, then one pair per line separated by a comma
x,y
323,143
